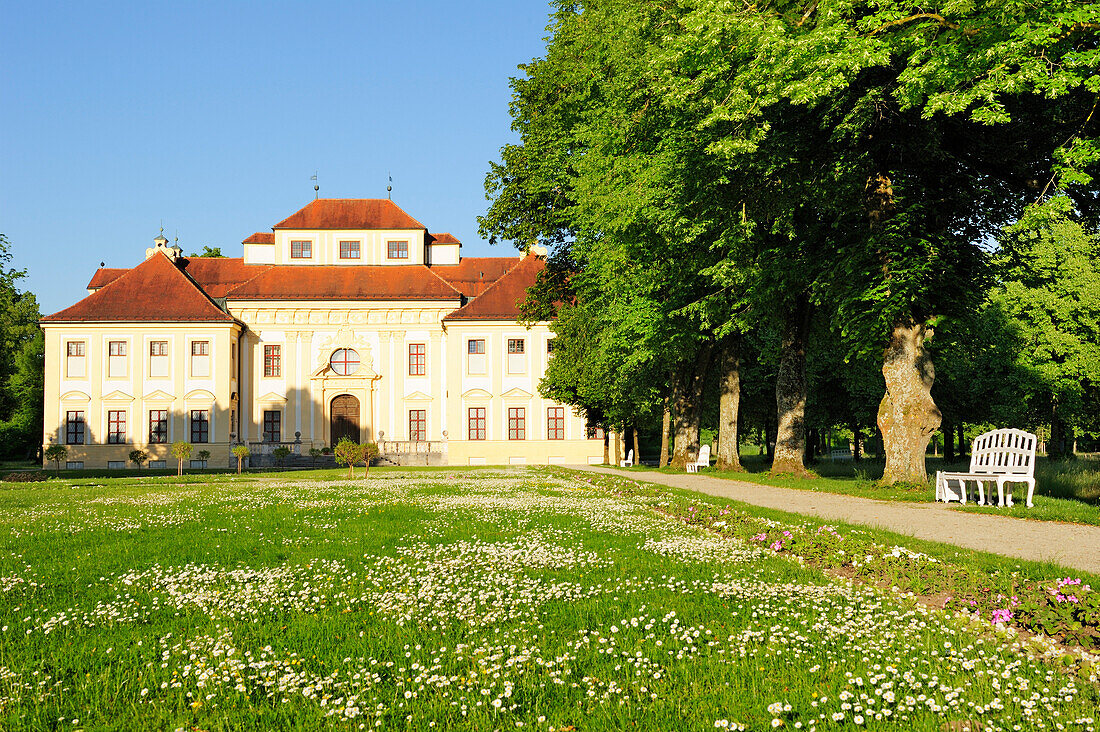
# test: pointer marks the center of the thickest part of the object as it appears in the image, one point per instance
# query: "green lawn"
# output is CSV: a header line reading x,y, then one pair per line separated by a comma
x,y
1067,491
470,599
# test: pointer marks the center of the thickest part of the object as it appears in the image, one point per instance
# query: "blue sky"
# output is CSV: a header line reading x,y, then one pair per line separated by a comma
x,y
213,116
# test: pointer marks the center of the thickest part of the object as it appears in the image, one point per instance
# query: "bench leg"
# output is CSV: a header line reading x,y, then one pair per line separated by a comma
x,y
1030,492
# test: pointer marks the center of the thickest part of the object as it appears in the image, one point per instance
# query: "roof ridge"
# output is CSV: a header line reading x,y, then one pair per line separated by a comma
x,y
448,284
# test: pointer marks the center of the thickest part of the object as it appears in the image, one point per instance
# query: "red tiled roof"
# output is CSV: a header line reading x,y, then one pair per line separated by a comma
x,y
442,239
105,275
327,282
154,291
473,275
218,275
502,299
261,237
350,213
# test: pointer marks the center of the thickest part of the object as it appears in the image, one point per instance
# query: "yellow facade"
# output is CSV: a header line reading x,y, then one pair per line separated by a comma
x,y
414,381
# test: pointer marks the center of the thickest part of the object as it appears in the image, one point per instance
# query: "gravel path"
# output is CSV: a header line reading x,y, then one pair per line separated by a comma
x,y
1069,545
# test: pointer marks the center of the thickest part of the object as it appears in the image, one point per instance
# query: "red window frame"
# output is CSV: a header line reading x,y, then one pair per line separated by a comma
x,y
555,423
273,360
516,345
418,424
594,431
301,249
116,348
475,346
200,348
273,426
75,348
116,427
397,250
200,426
158,426
349,250
74,428
418,359
475,423
343,359
158,348
517,423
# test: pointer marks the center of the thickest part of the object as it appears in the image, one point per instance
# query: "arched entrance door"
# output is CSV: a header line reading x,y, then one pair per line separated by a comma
x,y
345,418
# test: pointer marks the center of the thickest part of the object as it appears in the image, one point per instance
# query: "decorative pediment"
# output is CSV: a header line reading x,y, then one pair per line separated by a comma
x,y
75,396
477,394
345,337
118,396
159,396
517,393
200,395
417,396
272,398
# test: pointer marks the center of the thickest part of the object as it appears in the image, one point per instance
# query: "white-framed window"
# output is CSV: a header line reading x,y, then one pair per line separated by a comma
x,y
116,465
158,359
349,249
517,356
74,465
116,359
397,250
301,249
154,464
200,359
75,359
475,356
550,347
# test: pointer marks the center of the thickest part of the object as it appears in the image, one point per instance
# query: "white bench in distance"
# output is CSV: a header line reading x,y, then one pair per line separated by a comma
x,y
841,455
703,461
1001,456
629,460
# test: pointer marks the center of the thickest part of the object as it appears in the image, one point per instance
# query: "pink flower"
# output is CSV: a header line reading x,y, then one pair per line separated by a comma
x,y
776,546
759,537
1001,616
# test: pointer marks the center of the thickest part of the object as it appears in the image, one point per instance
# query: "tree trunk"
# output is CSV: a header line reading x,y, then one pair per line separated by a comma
x,y
666,422
729,401
637,450
769,441
606,437
812,439
907,416
790,392
857,448
618,447
687,407
948,432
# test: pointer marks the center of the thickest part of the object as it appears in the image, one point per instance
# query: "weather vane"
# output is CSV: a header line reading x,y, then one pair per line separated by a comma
x,y
316,188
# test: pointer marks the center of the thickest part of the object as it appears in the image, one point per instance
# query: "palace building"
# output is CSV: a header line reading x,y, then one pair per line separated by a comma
x,y
347,318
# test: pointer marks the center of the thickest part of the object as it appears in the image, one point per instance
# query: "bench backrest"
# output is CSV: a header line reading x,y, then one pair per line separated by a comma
x,y
704,456
1004,452
630,456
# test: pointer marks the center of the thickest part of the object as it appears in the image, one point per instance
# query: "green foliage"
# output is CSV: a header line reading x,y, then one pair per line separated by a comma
x,y
181,451
22,357
203,455
368,451
348,452
57,453
137,457
208,252
280,454
240,452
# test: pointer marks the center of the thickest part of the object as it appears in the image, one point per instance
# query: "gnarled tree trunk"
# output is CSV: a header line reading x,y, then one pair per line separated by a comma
x,y
790,392
907,416
687,407
729,401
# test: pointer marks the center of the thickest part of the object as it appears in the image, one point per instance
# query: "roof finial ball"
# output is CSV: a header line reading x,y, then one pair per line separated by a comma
x,y
160,244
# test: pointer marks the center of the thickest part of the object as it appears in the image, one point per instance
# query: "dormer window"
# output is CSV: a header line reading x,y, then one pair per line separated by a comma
x,y
397,250
301,250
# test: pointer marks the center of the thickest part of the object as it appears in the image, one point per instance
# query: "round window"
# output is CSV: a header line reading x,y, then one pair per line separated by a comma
x,y
344,362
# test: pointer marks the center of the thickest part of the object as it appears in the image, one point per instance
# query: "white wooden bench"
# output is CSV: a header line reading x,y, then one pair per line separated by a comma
x,y
703,461
629,460
841,455
1000,456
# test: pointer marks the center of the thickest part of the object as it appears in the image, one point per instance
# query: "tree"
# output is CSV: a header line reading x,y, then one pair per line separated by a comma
x,y
369,451
347,452
314,453
137,457
57,453
22,357
203,455
181,451
1049,289
208,252
240,452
